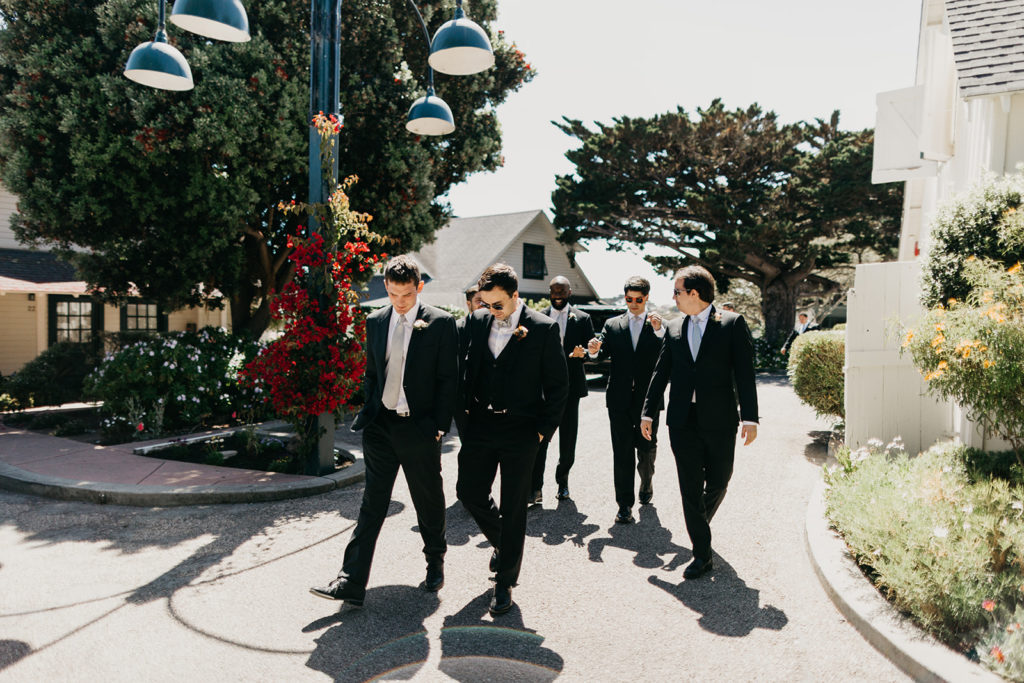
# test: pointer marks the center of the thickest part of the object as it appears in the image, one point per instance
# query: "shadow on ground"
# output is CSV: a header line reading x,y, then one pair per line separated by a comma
x,y
648,540
727,605
476,648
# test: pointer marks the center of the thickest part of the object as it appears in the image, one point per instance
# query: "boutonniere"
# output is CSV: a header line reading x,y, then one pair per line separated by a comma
x,y
718,317
572,316
520,332
420,325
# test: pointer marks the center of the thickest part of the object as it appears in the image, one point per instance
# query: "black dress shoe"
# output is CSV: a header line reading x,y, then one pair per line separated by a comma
x,y
625,516
645,496
434,580
340,589
698,568
537,498
501,601
563,492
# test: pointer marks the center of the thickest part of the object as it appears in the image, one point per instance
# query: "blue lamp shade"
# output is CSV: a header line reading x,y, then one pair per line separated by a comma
x,y
219,19
430,115
460,47
159,65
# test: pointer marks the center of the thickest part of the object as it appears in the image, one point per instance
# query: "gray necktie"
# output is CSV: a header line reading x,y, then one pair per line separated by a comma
x,y
393,381
562,321
635,328
694,336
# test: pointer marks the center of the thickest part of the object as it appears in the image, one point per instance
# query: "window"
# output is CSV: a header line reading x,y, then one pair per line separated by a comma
x,y
74,319
534,267
142,316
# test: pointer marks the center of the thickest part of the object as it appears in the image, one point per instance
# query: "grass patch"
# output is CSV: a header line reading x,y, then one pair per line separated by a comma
x,y
942,536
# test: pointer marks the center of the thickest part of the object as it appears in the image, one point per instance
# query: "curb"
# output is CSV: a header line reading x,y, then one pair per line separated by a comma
x,y
15,479
919,655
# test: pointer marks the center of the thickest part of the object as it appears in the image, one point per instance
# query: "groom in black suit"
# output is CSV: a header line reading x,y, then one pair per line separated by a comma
x,y
514,390
633,342
575,329
410,385
709,357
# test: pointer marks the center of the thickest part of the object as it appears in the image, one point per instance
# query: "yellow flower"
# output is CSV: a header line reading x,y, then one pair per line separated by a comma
x,y
908,339
939,338
987,363
943,365
986,296
951,301
967,352
1014,268
939,326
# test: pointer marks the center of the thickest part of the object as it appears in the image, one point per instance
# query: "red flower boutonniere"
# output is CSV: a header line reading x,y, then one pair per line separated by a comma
x,y
718,317
520,332
420,325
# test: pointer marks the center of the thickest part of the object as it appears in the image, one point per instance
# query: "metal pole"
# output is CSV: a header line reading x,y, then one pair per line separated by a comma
x,y
324,74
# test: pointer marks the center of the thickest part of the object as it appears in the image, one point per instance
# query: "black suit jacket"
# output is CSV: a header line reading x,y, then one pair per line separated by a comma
x,y
431,373
796,333
631,369
579,330
531,370
722,375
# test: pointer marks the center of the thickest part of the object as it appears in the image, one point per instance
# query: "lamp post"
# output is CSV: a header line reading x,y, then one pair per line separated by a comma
x,y
459,48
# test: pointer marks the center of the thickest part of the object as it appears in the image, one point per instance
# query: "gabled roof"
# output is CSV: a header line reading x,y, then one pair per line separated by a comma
x,y
988,45
466,246
34,266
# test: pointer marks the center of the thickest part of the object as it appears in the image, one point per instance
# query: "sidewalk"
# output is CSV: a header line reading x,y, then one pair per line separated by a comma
x,y
72,470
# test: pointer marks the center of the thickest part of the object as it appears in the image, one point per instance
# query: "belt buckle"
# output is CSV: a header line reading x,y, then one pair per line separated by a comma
x,y
402,413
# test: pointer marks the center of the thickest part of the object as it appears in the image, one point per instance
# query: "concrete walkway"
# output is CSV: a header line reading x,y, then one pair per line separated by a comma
x,y
73,470
220,593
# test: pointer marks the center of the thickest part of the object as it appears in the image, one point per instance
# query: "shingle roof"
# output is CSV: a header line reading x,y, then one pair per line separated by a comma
x,y
35,266
988,45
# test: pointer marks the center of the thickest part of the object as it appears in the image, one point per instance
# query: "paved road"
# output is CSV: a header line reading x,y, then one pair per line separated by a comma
x,y
220,592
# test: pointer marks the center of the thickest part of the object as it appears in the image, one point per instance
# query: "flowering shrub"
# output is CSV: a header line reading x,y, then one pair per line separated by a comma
x,y
816,362
174,381
973,350
317,363
767,357
935,537
1002,647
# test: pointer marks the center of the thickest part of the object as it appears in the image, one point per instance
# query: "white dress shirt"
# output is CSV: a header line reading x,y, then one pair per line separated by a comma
x,y
407,320
562,318
500,333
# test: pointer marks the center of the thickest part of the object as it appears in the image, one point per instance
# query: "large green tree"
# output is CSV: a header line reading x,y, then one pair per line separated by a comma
x,y
735,191
172,194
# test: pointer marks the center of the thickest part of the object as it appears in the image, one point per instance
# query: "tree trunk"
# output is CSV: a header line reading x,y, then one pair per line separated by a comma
x,y
778,305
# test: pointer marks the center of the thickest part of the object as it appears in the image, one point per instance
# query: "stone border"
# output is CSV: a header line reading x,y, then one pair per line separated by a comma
x,y
919,655
22,481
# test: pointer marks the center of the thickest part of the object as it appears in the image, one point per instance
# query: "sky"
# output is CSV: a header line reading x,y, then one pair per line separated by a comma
x,y
598,59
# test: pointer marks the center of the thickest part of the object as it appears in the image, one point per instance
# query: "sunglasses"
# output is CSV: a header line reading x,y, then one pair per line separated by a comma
x,y
637,299
677,292
492,307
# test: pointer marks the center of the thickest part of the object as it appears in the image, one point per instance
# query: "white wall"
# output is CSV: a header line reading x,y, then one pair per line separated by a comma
x,y
540,232
8,206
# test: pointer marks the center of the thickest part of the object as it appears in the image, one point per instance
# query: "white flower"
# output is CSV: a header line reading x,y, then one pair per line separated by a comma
x,y
875,443
1017,505
940,532
968,508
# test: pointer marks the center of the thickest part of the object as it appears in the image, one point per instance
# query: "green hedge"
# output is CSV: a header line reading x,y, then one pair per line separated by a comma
x,y
53,377
816,361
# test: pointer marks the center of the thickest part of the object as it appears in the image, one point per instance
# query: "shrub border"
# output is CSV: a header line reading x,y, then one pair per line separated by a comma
x,y
916,653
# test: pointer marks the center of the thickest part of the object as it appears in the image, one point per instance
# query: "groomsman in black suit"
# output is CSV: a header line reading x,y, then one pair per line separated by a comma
x,y
576,329
633,342
514,390
473,303
709,357
410,384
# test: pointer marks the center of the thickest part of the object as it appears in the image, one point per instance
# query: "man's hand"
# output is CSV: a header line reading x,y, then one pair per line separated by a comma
x,y
645,428
655,321
749,433
593,346
578,352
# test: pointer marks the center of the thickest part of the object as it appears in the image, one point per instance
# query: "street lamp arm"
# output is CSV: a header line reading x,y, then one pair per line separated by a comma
x,y
426,34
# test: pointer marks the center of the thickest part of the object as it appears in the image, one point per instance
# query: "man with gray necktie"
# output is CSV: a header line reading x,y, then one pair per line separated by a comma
x,y
709,357
414,348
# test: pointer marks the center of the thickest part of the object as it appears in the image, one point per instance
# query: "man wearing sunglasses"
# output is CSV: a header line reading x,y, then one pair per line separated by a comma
x,y
513,391
709,357
576,329
632,341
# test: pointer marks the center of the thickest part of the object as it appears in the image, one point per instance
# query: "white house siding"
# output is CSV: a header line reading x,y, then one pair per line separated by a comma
x,y
555,258
18,344
8,206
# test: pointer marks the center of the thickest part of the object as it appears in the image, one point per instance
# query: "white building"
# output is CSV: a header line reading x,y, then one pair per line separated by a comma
x,y
962,119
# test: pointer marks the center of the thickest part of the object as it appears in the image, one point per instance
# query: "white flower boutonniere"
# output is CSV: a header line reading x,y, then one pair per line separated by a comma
x,y
520,332
420,325
718,317
572,316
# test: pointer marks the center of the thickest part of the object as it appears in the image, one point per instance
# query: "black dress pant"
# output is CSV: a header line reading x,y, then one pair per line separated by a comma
x,y
568,428
704,461
390,442
631,452
509,443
